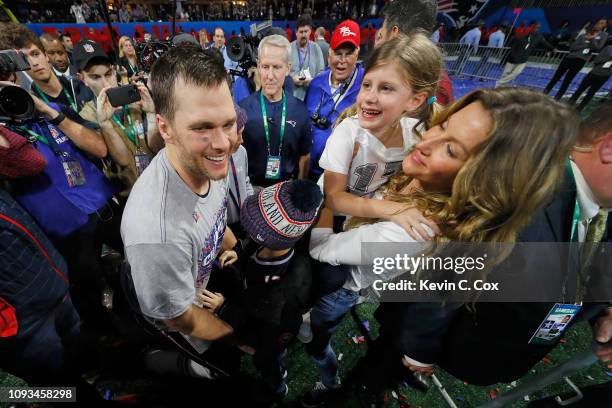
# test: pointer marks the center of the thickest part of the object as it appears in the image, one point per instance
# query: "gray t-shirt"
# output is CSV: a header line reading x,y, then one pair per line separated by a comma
x,y
172,237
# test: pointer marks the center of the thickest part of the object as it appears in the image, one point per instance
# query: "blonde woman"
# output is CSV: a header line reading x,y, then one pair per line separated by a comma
x,y
128,59
481,170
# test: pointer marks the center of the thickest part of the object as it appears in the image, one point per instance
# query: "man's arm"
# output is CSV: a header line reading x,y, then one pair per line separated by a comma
x,y
89,141
200,323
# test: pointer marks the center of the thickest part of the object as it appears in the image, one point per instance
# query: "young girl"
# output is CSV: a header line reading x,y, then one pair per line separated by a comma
x,y
367,147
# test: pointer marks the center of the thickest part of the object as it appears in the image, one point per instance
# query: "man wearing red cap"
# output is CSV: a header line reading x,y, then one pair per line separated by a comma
x,y
333,90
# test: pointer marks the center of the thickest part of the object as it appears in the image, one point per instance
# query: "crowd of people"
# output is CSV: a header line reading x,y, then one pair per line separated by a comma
x,y
88,11
221,213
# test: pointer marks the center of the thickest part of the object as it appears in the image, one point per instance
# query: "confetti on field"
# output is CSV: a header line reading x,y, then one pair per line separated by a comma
x,y
609,373
526,398
562,341
466,383
609,365
402,397
340,356
460,399
492,394
386,397
590,378
513,384
394,394
547,360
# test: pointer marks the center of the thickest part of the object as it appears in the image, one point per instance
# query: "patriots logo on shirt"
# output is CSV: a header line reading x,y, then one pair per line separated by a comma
x,y
293,123
196,216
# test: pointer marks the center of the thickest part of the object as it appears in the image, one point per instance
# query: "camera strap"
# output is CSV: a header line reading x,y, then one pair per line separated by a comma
x,y
130,132
264,116
339,92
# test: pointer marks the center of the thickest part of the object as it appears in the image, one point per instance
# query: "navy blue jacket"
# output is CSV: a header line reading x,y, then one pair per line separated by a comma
x,y
489,345
296,142
33,275
319,99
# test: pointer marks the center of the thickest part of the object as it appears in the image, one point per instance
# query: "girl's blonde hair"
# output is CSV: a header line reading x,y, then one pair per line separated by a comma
x,y
420,62
508,176
121,42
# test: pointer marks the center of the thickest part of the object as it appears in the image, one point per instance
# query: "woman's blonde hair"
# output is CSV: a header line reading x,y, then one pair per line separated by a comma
x,y
508,176
420,61
121,42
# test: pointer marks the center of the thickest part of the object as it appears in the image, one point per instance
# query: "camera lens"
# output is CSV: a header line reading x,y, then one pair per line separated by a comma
x,y
16,103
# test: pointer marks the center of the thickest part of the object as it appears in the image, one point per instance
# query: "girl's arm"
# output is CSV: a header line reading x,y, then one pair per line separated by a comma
x,y
339,200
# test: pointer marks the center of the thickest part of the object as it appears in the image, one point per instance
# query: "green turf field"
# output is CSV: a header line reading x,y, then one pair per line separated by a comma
x,y
302,373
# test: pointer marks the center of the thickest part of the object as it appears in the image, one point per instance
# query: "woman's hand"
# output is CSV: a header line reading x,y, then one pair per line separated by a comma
x,y
228,258
211,300
411,220
417,369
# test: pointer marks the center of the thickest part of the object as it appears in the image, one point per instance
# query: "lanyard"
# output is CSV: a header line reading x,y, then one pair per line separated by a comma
x,y
340,91
265,122
131,132
45,138
66,93
306,58
238,203
576,214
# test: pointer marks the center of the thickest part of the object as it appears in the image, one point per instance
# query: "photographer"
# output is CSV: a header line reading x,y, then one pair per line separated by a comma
x,y
46,85
334,90
71,199
130,132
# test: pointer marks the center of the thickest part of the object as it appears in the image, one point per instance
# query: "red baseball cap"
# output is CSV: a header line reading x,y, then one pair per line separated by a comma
x,y
347,32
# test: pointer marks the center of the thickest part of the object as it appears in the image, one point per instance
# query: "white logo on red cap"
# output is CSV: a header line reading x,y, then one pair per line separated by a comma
x,y
346,32
88,48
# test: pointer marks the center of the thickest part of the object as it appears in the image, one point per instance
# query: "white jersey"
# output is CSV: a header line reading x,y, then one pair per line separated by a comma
x,y
373,163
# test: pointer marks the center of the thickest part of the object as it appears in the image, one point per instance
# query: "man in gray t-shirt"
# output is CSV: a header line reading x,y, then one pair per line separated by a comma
x,y
174,222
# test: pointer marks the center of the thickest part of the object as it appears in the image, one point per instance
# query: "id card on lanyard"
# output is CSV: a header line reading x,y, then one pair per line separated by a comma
x,y
73,171
273,163
136,134
561,314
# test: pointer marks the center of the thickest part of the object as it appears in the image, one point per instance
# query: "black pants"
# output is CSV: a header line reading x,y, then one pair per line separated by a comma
x,y
381,368
569,66
82,250
591,82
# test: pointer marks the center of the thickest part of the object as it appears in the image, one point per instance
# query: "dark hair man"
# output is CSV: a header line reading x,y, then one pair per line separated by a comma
x,y
407,16
175,217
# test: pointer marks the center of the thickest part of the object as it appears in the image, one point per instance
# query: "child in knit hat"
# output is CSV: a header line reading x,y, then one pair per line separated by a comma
x,y
277,280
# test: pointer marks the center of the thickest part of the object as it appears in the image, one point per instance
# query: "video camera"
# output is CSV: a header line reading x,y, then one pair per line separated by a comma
x,y
149,51
243,50
16,104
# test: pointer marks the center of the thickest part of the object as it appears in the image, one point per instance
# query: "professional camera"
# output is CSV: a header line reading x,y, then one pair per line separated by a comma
x,y
148,52
243,50
16,104
320,121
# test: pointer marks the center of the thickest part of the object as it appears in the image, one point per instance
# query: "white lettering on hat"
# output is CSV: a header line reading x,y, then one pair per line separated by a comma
x,y
276,217
88,48
346,32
